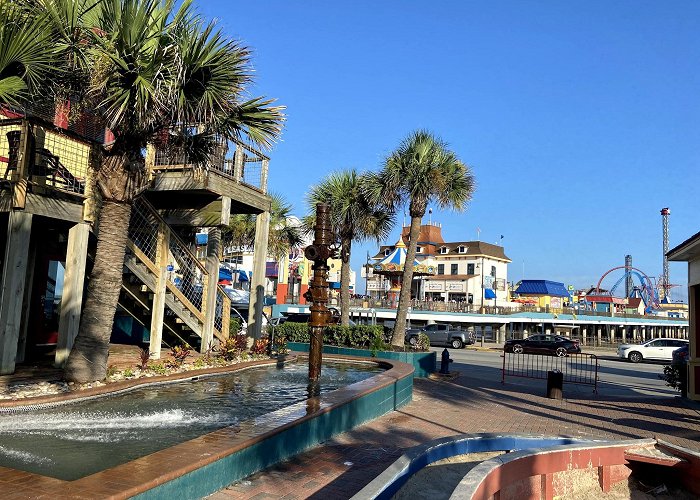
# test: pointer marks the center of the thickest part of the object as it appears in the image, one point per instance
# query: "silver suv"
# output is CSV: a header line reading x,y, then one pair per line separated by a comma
x,y
447,335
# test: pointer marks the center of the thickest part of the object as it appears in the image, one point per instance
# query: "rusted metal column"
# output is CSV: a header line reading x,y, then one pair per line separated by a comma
x,y
317,294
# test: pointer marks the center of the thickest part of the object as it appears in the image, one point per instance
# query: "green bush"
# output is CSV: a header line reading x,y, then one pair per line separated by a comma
x,y
293,332
675,376
363,336
234,326
423,343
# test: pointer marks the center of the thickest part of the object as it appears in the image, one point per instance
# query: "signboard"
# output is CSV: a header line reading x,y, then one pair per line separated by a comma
x,y
170,268
488,281
455,286
500,285
555,302
377,286
435,286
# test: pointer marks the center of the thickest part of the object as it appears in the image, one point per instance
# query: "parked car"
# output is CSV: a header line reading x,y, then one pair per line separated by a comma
x,y
447,335
553,345
681,354
658,349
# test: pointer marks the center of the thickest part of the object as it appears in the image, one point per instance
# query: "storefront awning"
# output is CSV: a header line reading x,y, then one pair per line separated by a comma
x,y
489,294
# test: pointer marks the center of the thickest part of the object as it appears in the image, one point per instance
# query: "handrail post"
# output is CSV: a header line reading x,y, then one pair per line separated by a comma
x,y
238,161
226,318
19,177
263,175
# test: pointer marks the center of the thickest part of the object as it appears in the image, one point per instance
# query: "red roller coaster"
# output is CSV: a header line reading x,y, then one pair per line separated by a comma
x,y
644,287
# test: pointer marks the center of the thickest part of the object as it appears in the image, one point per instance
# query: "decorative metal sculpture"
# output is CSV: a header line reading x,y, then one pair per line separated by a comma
x,y
317,294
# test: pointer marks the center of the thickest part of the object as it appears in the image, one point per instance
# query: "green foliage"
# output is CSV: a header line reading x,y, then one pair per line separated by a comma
x,y
180,353
293,332
158,368
232,347
423,343
199,362
261,346
360,336
128,373
280,344
111,370
234,327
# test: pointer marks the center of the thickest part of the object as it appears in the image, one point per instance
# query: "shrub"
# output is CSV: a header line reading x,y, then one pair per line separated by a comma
x,y
128,373
260,346
144,358
280,344
232,347
180,353
293,332
423,343
234,326
158,368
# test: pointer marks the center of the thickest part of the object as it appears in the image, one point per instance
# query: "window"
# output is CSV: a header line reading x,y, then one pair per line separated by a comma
x,y
443,250
453,269
441,268
493,271
470,298
386,252
470,268
419,249
462,249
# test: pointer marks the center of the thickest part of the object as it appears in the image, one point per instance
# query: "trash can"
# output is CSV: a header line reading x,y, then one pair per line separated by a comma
x,y
555,384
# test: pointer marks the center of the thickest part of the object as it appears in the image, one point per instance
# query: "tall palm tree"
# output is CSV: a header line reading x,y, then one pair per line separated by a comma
x,y
152,68
421,171
354,218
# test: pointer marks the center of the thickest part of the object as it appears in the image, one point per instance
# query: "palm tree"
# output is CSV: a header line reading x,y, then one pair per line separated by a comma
x,y
284,232
27,56
151,69
421,171
353,217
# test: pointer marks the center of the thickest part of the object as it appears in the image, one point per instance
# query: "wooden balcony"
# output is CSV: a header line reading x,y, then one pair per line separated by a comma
x,y
234,181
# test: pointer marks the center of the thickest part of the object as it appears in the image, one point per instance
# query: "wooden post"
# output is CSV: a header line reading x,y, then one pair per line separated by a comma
x,y
31,264
212,268
14,274
72,298
158,305
238,162
19,190
226,318
257,282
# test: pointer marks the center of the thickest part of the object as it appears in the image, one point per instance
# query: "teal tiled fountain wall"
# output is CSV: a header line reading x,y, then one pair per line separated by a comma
x,y
424,363
286,443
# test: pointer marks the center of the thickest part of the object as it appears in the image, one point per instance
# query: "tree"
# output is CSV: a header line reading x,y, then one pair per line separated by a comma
x,y
354,218
421,171
147,69
27,56
284,233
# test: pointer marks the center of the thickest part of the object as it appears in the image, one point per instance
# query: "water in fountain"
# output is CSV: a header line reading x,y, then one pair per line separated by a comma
x,y
73,441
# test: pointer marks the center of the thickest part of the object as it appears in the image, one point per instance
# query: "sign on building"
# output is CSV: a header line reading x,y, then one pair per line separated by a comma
x,y
435,286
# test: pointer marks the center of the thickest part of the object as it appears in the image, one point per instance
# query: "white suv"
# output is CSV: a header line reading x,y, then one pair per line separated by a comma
x,y
654,349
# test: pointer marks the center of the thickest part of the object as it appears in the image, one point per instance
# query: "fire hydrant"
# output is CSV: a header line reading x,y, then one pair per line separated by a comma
x,y
445,362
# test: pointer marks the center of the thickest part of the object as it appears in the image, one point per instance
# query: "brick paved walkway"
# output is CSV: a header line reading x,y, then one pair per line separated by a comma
x,y
342,466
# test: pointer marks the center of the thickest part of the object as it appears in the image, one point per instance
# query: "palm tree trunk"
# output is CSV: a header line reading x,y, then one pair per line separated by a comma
x,y
398,336
346,245
87,361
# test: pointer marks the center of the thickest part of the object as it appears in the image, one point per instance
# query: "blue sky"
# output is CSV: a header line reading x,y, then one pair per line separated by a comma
x,y
580,119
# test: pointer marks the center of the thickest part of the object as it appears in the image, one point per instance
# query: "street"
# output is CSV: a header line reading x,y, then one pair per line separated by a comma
x,y
615,377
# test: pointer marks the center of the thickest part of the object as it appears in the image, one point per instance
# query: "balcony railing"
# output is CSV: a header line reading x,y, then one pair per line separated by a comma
x,y
46,156
233,159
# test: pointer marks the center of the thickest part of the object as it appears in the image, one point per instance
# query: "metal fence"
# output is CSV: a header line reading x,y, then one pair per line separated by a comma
x,y
581,368
57,159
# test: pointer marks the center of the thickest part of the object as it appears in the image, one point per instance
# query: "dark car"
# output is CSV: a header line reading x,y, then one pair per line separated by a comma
x,y
554,345
681,355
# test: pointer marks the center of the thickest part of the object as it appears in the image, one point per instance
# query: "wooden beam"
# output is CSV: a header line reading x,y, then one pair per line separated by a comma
x,y
158,309
19,228
212,268
72,298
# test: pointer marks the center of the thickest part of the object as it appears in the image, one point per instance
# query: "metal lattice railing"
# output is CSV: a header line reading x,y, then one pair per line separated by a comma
x,y
231,159
55,158
220,316
143,229
188,274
